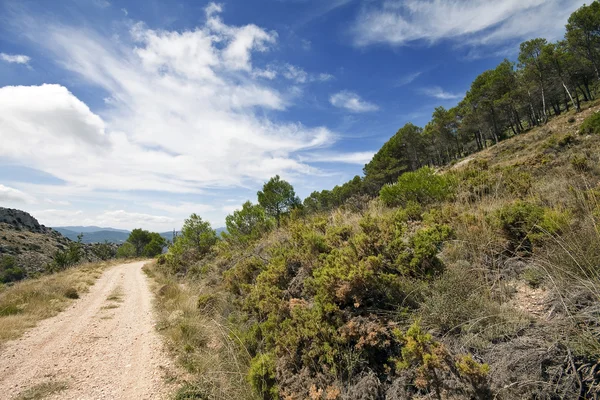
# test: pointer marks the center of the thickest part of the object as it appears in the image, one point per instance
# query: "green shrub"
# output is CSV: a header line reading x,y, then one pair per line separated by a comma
x,y
426,243
207,302
261,376
518,221
423,186
591,125
126,250
9,270
104,251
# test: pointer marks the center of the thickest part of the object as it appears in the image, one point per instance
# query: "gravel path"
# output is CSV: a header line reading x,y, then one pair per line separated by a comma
x,y
103,347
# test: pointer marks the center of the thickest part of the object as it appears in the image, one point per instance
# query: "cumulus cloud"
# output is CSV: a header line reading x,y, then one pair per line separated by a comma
x,y
352,102
183,111
15,58
439,93
472,21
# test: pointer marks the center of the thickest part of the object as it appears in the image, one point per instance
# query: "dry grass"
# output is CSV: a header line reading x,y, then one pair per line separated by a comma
x,y
213,363
25,303
42,390
116,295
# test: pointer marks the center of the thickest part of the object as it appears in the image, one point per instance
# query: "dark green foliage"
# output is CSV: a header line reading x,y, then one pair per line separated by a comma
x,y
278,198
591,125
9,270
145,243
338,196
262,376
197,234
247,224
398,155
126,250
519,220
422,186
155,246
69,257
104,251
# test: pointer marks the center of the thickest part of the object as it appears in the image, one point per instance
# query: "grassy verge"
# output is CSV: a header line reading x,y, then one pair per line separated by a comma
x,y
194,323
25,303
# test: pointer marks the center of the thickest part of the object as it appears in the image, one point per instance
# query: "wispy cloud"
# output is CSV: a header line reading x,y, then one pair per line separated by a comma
x,y
360,158
352,102
439,93
15,58
12,195
475,22
406,79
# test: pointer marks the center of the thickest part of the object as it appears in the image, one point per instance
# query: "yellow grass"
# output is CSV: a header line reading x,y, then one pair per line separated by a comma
x,y
25,303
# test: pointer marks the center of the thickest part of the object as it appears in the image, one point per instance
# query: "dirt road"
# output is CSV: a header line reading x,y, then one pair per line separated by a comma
x,y
103,347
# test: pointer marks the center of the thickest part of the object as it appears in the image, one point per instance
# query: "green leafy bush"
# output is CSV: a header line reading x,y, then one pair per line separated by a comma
x,y
591,125
126,250
70,256
9,270
423,186
262,376
518,221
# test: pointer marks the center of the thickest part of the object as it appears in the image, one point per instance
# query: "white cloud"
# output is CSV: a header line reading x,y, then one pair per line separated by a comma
x,y
439,93
15,58
471,21
229,209
101,3
324,77
12,195
183,112
295,74
409,78
299,75
268,73
360,158
352,102
120,219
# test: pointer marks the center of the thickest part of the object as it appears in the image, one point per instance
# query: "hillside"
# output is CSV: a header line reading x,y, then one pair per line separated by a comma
x,y
478,281
28,248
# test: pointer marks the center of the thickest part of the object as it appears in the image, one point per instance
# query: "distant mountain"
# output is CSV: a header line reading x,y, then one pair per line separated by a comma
x,y
94,234
168,235
89,229
95,237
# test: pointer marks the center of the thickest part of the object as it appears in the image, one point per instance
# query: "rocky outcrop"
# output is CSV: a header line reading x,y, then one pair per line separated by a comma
x,y
32,246
21,220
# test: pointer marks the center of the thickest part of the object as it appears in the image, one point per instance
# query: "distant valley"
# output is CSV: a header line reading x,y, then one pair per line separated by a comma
x,y
95,234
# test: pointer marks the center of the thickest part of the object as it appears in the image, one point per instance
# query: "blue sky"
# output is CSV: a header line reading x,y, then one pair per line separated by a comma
x,y
138,113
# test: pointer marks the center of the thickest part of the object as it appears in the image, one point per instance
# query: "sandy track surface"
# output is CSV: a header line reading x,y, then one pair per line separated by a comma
x,y
103,347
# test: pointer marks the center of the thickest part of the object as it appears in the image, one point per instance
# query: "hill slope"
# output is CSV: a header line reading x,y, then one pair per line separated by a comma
x,y
478,281
28,248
